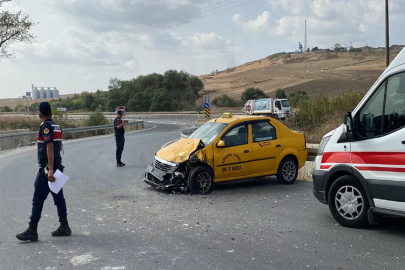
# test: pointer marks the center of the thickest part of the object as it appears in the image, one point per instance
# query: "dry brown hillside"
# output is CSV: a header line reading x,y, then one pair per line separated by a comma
x,y
315,72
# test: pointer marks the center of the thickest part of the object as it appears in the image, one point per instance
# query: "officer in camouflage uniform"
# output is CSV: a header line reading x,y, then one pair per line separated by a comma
x,y
49,160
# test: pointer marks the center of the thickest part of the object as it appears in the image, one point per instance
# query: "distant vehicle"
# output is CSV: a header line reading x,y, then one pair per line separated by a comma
x,y
360,167
229,148
271,107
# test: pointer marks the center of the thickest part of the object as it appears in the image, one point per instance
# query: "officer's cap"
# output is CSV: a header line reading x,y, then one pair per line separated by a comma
x,y
45,108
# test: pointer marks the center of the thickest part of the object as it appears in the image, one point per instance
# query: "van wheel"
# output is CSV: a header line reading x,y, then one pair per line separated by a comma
x,y
348,202
200,180
287,171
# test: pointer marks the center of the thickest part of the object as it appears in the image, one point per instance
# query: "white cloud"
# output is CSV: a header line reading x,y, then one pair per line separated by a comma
x,y
260,24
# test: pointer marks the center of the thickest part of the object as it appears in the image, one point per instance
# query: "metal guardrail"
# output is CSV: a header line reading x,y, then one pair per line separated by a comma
x,y
65,131
312,152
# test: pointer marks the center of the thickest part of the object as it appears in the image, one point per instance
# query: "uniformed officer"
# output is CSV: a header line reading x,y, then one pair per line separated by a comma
x,y
119,137
49,160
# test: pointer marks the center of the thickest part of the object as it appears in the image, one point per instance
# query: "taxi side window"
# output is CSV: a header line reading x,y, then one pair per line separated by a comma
x,y
385,110
263,131
236,136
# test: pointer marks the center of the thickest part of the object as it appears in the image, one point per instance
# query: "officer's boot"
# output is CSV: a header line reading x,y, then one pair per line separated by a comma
x,y
119,163
64,229
30,234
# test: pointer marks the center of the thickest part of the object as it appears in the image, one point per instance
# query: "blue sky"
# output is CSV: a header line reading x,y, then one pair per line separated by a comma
x,y
82,43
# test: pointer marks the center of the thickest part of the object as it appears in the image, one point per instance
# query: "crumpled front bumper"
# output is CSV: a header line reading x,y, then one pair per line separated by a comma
x,y
162,180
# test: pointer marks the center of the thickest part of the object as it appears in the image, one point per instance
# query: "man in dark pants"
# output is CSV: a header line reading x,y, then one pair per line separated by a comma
x,y
119,137
49,160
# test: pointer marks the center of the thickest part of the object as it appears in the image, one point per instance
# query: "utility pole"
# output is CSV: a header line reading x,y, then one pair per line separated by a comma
x,y
387,36
305,39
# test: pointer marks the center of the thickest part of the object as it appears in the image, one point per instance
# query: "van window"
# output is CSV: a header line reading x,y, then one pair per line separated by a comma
x,y
395,105
377,117
236,136
263,131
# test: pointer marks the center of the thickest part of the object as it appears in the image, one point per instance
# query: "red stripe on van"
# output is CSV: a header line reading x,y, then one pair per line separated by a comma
x,y
380,169
325,167
381,158
336,157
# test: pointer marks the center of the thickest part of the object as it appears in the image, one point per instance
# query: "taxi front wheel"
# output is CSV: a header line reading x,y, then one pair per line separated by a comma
x,y
200,180
287,171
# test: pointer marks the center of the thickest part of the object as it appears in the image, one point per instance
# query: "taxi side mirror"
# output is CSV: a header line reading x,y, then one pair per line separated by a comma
x,y
221,144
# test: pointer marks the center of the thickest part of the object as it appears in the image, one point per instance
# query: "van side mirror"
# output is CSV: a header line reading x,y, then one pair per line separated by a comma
x,y
347,123
221,143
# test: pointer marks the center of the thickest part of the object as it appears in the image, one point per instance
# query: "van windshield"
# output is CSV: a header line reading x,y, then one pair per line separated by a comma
x,y
285,103
208,132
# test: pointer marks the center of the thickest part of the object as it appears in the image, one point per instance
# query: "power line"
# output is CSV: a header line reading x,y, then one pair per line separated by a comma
x,y
128,35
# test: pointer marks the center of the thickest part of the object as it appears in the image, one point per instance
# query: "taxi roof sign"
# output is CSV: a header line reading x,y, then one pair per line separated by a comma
x,y
227,115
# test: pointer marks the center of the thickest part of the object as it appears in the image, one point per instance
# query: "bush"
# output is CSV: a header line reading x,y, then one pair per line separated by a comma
x,y
96,119
297,97
312,113
253,93
225,101
5,109
281,93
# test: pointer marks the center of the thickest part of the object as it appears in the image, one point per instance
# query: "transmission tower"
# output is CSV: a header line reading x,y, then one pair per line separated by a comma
x,y
305,38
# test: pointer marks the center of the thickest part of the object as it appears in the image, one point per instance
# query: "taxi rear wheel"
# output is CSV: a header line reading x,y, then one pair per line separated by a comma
x,y
287,171
200,180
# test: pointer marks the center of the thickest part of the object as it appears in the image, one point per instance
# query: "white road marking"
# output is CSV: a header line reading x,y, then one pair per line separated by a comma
x,y
83,259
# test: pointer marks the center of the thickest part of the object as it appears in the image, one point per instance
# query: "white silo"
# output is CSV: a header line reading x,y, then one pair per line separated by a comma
x,y
42,93
49,93
35,93
55,93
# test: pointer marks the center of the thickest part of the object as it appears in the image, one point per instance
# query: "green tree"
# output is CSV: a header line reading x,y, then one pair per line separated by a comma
x,y
112,104
161,101
253,93
14,29
280,93
87,100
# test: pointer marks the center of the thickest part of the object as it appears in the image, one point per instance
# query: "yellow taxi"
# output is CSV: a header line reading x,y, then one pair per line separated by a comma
x,y
229,148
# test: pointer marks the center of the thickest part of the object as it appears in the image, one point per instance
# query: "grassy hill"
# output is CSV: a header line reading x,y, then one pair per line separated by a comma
x,y
316,72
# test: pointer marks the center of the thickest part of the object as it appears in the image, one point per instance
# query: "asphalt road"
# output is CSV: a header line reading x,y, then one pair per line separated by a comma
x,y
119,222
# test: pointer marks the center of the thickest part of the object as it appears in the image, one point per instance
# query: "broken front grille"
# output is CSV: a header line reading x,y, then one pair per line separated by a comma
x,y
163,166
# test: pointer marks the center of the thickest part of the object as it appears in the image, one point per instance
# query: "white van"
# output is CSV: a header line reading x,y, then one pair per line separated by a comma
x,y
360,167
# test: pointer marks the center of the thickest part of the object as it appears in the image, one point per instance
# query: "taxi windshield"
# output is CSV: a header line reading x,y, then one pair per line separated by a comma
x,y
208,132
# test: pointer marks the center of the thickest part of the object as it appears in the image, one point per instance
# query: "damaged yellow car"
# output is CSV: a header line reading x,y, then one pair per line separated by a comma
x,y
229,148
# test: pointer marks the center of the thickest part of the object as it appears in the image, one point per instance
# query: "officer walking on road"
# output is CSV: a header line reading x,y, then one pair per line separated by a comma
x,y
119,137
49,159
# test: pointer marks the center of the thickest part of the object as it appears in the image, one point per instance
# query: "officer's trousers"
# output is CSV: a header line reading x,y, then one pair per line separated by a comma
x,y
41,193
119,140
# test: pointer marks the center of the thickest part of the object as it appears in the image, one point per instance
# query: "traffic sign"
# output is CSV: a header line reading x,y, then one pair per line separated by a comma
x,y
248,108
206,105
207,99
207,113
61,109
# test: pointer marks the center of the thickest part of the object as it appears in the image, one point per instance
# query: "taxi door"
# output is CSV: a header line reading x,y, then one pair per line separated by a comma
x,y
266,147
233,159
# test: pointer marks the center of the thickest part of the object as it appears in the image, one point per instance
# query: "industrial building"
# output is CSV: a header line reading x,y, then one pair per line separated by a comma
x,y
44,92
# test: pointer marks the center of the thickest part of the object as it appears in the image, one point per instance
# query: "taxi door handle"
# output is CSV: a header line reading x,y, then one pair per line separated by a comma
x,y
246,151
278,145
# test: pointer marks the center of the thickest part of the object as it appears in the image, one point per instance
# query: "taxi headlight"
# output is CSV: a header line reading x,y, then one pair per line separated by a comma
x,y
324,142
